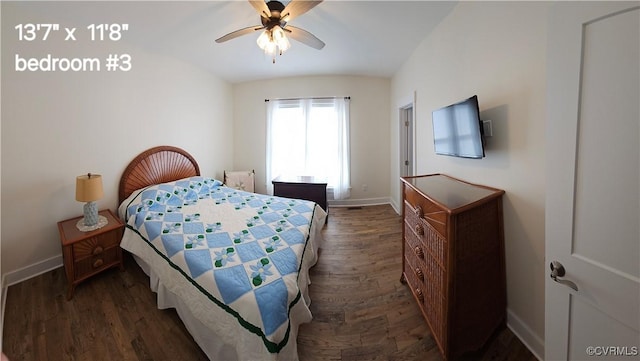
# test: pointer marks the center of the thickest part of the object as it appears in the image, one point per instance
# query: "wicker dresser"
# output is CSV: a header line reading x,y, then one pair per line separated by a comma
x,y
453,247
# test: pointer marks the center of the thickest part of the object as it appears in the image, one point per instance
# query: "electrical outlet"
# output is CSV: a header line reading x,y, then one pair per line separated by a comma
x,y
364,187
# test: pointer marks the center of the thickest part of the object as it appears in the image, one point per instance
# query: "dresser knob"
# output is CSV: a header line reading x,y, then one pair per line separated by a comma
x,y
419,294
97,263
419,252
419,230
418,211
419,274
97,250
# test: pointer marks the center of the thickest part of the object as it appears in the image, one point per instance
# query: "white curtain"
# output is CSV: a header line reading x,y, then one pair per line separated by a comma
x,y
309,137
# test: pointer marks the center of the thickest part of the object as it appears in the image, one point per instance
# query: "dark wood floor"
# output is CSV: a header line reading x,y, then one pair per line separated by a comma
x,y
361,310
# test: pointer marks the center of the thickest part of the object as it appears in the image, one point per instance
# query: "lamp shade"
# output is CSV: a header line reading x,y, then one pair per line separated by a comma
x,y
89,187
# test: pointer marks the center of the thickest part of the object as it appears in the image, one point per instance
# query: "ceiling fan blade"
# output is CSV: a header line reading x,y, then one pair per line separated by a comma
x,y
261,7
237,33
296,8
304,37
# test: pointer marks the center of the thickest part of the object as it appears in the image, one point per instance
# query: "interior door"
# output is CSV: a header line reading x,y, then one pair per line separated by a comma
x,y
406,141
593,182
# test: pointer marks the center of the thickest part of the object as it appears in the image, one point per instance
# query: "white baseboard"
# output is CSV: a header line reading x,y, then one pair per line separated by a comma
x,y
359,202
36,269
530,339
396,208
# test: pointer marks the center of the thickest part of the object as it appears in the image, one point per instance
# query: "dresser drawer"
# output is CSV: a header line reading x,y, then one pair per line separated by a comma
x,y
90,265
422,207
415,283
96,245
426,268
428,295
414,245
416,263
421,236
96,253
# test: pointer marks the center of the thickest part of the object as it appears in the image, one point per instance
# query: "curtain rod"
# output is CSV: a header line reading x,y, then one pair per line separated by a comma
x,y
347,98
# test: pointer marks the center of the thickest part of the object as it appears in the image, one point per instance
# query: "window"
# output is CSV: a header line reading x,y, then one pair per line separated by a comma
x,y
309,137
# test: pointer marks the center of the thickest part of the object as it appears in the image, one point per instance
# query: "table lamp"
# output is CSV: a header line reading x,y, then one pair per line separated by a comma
x,y
89,190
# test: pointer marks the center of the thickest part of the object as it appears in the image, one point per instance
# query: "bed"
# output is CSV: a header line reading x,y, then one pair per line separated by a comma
x,y
233,264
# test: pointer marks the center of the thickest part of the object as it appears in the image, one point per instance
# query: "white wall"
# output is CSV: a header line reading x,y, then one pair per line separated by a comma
x,y
58,125
369,111
496,50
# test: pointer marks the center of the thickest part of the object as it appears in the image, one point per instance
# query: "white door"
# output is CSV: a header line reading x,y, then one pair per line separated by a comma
x,y
593,181
406,141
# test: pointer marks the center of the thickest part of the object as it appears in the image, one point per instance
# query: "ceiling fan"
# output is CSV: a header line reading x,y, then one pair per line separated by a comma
x,y
275,17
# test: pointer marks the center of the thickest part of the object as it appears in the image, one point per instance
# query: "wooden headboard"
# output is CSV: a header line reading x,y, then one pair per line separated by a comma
x,y
156,165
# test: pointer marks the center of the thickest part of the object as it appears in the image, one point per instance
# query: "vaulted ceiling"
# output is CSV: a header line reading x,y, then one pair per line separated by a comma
x,y
371,38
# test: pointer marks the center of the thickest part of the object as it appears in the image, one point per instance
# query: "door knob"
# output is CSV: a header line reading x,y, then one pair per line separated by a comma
x,y
557,270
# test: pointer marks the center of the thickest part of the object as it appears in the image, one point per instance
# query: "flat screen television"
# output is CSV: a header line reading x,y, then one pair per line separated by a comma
x,y
457,130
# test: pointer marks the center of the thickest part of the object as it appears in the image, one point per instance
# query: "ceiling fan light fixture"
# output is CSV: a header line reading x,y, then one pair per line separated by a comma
x,y
273,41
284,45
264,39
277,33
280,39
270,48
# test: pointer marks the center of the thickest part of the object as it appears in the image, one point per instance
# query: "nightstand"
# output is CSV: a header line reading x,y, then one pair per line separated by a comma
x,y
89,253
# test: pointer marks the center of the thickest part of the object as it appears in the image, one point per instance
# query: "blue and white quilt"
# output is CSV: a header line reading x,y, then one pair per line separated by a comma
x,y
242,251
